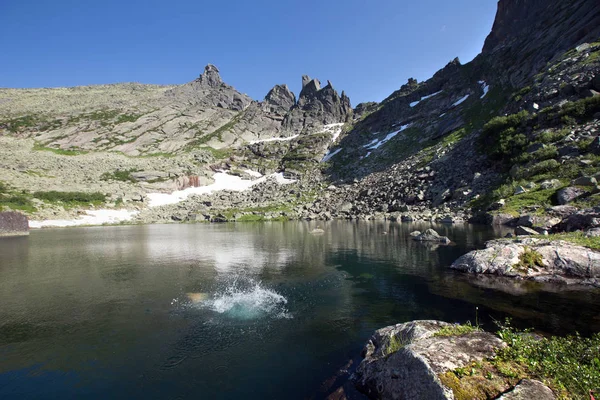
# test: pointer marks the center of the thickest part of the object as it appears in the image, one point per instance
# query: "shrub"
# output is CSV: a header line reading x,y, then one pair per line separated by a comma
x,y
536,169
70,197
569,363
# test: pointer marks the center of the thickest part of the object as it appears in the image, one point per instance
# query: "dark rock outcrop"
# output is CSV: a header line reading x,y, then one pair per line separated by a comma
x,y
279,100
13,224
317,106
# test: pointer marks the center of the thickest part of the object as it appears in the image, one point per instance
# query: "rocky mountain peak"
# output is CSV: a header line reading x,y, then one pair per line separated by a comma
x,y
210,76
317,106
279,100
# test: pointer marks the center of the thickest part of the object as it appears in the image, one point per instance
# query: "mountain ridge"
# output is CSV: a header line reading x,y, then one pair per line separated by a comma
x,y
419,151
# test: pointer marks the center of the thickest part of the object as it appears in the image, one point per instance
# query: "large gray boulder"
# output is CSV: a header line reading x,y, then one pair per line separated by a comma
x,y
568,194
560,261
529,389
411,372
13,224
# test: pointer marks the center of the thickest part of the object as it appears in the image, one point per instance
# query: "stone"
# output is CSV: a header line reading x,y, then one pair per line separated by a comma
x,y
585,181
568,194
594,147
561,260
411,372
431,235
13,224
415,233
551,184
525,231
529,389
578,221
520,190
497,205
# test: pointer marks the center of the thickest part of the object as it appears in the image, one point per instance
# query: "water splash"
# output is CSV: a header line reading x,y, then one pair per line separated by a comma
x,y
247,300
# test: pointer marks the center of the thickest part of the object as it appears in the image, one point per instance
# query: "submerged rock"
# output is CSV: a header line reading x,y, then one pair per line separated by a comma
x,y
13,224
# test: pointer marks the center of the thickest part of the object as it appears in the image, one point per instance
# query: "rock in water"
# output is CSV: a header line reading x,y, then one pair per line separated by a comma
x,y
557,261
13,224
431,235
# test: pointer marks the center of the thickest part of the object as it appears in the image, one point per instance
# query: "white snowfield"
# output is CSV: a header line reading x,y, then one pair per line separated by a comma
x,y
334,129
461,100
223,181
414,103
330,155
485,87
375,144
275,139
93,217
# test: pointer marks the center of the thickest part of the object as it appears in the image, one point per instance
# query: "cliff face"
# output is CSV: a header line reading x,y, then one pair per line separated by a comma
x,y
527,33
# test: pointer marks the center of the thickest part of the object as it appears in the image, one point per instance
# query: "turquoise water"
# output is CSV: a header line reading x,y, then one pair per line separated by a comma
x,y
265,311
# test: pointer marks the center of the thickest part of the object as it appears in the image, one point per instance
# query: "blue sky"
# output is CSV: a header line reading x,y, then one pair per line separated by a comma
x,y
368,48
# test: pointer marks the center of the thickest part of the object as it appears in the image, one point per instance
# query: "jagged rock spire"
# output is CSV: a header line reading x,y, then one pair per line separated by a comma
x,y
210,76
279,100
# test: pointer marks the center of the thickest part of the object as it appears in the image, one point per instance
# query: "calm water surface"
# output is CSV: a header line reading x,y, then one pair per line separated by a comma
x,y
253,311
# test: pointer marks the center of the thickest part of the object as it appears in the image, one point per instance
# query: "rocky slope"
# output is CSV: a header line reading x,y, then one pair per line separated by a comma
x,y
500,135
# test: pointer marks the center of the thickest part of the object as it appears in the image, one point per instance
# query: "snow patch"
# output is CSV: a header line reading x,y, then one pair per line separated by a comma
x,y
93,217
485,87
334,129
330,155
253,173
275,139
460,101
372,143
223,181
414,103
377,144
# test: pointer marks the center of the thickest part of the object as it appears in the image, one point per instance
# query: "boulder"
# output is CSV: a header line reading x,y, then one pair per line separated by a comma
x,y
578,221
568,194
525,231
13,224
431,235
561,261
551,184
529,389
403,361
585,181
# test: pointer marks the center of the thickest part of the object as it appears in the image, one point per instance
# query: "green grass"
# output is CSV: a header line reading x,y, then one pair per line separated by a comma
x,y
396,343
119,175
577,238
15,125
529,259
457,330
571,364
568,365
40,147
14,200
71,198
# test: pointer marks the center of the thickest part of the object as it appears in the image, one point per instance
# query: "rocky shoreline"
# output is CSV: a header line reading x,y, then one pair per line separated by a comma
x,y
425,360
